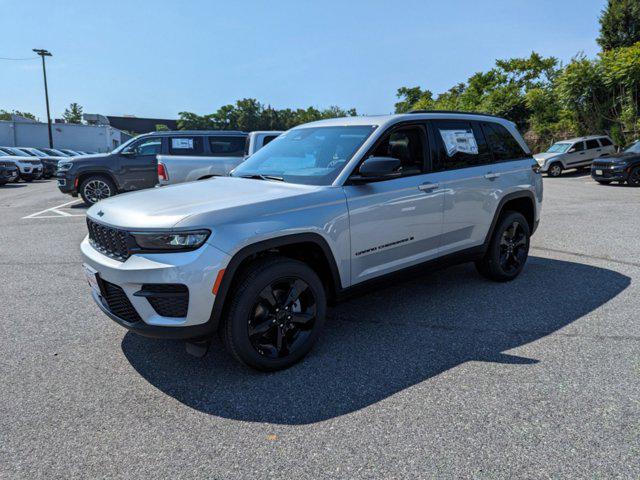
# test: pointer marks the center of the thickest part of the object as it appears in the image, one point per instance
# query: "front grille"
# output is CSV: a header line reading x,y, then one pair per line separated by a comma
x,y
108,240
601,165
168,300
118,302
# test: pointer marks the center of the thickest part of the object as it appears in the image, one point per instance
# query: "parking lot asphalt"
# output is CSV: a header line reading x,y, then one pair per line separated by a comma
x,y
446,375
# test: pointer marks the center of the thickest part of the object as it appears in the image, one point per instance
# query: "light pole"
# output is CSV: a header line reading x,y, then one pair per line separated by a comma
x,y
46,53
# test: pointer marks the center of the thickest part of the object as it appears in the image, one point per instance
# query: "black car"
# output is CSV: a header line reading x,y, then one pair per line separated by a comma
x,y
8,172
131,166
622,167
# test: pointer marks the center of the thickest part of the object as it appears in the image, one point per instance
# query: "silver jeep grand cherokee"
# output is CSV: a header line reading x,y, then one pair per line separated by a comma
x,y
326,207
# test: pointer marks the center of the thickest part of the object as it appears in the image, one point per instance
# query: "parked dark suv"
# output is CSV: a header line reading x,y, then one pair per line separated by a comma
x,y
131,166
621,167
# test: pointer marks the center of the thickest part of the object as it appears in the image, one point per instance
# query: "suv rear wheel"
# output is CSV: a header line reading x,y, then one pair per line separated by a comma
x,y
508,249
95,188
276,314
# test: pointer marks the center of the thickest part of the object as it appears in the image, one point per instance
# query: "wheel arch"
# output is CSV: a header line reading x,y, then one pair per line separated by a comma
x,y
310,248
82,176
523,202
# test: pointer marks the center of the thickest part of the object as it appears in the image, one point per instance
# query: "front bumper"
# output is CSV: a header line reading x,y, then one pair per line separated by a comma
x,y
8,174
67,182
197,270
609,174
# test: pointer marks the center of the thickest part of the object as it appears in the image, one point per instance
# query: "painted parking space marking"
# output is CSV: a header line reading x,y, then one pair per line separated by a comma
x,y
55,212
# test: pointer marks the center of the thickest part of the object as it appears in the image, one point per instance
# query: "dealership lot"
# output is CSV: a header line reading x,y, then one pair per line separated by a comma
x,y
444,375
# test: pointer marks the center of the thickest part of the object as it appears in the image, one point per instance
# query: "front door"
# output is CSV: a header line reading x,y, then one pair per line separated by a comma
x,y
395,223
576,155
139,165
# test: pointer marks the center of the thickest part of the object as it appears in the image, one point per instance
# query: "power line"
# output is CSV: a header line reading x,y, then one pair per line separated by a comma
x,y
27,58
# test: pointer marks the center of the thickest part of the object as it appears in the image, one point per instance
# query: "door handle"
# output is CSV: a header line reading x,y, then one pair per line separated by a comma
x,y
427,187
581,153
491,175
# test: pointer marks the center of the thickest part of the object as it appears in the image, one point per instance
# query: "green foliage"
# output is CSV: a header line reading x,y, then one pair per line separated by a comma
x,y
6,115
249,115
161,127
73,114
620,24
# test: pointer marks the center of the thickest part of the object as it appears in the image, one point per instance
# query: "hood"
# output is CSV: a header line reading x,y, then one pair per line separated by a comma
x,y
164,207
546,155
82,159
618,157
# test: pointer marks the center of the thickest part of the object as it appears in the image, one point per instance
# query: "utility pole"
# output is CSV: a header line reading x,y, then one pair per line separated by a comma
x,y
46,53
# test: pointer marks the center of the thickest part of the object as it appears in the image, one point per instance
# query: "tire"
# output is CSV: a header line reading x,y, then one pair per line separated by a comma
x,y
284,331
604,182
634,177
555,170
507,252
95,188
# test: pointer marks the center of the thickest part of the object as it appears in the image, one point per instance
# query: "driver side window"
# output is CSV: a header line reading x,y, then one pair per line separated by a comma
x,y
578,147
146,146
407,144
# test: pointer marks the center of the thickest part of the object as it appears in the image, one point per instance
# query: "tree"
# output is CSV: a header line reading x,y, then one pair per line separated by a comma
x,y
6,115
73,114
619,24
412,96
161,127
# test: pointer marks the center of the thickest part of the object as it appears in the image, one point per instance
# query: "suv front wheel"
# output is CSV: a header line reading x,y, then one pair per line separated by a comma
x,y
508,249
276,314
95,188
555,169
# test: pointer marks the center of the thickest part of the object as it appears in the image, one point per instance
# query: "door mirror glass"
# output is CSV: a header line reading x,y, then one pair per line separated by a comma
x,y
572,149
380,168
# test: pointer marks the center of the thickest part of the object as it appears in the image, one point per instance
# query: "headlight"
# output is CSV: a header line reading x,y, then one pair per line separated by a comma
x,y
168,241
63,166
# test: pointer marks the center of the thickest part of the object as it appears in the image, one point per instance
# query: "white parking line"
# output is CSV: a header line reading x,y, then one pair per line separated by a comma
x,y
58,213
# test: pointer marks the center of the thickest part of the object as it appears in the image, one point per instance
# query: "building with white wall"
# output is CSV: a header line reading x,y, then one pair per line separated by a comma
x,y
21,132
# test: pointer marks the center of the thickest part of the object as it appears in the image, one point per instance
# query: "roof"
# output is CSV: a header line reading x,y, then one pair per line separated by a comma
x,y
385,120
577,139
200,132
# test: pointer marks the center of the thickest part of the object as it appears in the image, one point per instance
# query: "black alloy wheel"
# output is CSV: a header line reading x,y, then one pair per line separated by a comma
x,y
513,248
508,248
282,318
276,313
634,177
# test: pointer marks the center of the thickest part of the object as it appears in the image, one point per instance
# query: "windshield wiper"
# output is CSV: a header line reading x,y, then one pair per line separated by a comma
x,y
258,176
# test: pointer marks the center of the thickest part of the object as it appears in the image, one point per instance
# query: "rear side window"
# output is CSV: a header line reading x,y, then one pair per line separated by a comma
x,y
460,144
592,144
185,146
502,143
606,142
269,138
227,146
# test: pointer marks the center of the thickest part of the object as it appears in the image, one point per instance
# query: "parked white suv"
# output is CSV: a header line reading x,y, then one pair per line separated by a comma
x,y
574,153
327,207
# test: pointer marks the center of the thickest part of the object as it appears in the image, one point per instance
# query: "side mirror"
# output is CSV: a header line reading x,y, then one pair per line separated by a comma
x,y
572,149
380,168
128,153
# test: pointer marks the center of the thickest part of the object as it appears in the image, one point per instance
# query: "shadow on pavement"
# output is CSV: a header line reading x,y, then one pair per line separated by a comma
x,y
378,344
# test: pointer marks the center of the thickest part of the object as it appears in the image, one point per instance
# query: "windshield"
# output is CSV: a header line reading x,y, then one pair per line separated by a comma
x,y
634,147
55,153
36,153
559,148
124,145
310,156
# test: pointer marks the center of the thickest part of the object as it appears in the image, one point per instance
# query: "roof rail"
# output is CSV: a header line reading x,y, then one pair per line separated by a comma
x,y
198,132
455,111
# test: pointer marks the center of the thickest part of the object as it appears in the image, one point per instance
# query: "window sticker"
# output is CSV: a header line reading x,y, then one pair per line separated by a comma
x,y
182,143
459,141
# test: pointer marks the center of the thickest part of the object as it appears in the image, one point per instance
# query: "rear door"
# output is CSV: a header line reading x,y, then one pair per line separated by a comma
x,y
138,167
395,223
593,149
468,179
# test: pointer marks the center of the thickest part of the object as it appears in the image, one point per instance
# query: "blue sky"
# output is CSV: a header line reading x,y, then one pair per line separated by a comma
x,y
157,58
